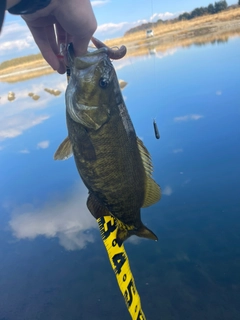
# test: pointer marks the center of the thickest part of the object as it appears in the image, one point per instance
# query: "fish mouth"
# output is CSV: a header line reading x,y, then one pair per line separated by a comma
x,y
89,59
92,55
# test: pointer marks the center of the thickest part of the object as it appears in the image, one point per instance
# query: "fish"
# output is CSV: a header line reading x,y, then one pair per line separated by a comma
x,y
112,161
157,134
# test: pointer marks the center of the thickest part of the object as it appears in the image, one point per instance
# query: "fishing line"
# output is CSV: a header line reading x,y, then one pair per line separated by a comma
x,y
155,127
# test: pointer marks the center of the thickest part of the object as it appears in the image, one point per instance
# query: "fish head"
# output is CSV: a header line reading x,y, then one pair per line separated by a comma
x,y
91,88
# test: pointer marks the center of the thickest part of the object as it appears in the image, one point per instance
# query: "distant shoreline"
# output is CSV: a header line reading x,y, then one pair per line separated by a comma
x,y
183,33
169,35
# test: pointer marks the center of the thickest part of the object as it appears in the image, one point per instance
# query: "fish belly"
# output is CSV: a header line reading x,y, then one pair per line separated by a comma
x,y
110,165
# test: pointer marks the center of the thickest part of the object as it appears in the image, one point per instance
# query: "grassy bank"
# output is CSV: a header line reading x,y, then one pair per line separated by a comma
x,y
224,21
209,28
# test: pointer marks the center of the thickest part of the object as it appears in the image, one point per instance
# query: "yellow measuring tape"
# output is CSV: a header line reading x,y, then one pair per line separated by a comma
x,y
120,264
119,261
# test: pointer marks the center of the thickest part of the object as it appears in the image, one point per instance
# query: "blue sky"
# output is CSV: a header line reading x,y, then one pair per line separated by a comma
x,y
114,18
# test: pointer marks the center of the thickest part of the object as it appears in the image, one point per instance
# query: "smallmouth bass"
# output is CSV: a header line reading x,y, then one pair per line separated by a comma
x,y
112,161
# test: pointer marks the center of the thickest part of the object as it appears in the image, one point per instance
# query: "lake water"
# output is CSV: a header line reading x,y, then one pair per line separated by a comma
x,y
53,264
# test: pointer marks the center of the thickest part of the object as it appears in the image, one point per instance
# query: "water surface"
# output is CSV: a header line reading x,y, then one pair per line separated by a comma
x,y
53,262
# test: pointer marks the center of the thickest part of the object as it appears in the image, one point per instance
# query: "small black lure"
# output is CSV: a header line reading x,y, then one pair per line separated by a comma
x,y
157,135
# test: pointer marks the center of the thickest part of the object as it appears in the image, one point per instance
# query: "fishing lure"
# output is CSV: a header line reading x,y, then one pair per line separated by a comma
x,y
157,134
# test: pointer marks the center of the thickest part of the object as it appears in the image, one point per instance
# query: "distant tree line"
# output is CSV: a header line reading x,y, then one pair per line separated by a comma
x,y
20,60
144,26
210,9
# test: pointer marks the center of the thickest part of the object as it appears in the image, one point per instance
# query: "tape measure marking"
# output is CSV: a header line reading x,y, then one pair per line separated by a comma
x,y
120,264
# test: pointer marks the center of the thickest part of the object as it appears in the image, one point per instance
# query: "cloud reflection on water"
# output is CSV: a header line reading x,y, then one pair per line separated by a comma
x,y
179,150
167,191
188,117
43,144
23,113
24,151
15,126
67,219
144,53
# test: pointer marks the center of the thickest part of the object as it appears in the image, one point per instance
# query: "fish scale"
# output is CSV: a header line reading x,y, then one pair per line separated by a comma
x,y
112,161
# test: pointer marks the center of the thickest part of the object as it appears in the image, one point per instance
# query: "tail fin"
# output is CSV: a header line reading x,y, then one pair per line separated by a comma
x,y
124,233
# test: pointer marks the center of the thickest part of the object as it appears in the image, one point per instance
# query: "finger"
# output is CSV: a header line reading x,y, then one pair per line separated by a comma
x,y
80,45
41,39
79,22
52,39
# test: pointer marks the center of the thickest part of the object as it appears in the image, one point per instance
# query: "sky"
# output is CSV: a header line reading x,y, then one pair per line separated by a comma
x,y
114,19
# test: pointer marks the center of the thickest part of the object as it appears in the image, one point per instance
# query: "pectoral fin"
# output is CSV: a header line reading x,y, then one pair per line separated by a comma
x,y
64,151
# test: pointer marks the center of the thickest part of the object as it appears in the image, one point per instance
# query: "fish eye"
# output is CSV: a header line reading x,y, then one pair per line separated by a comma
x,y
103,83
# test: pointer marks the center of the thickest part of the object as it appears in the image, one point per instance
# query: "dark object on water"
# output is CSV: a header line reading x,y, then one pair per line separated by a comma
x,y
157,135
112,161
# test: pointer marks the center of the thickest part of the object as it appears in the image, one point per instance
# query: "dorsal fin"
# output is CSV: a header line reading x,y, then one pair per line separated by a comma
x,y
64,151
152,189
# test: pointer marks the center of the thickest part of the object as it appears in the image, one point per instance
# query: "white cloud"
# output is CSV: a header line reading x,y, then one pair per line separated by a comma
x,y
43,144
9,42
24,151
167,191
177,150
163,16
188,117
13,28
18,45
111,27
67,219
99,3
15,126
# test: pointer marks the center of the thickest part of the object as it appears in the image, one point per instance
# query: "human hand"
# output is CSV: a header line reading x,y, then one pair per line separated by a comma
x,y
74,22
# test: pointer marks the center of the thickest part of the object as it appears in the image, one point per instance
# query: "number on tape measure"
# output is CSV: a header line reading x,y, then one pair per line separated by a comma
x,y
128,294
106,228
141,316
118,261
